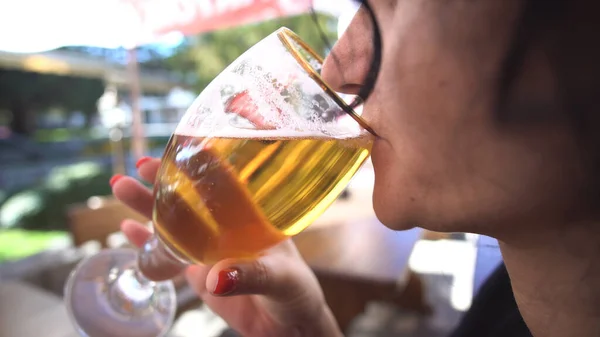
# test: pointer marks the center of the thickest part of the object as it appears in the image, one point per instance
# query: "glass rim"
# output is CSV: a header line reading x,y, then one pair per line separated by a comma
x,y
287,37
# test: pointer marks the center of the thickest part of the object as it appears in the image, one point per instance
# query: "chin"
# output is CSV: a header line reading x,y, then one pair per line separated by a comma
x,y
390,209
385,195
388,203
392,219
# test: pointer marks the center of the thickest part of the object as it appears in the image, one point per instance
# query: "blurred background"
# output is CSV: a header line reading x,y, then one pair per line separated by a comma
x,y
87,87
78,103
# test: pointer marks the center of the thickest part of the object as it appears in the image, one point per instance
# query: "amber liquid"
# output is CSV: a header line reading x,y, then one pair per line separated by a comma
x,y
222,198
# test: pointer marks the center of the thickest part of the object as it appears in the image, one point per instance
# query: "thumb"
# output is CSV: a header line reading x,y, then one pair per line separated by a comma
x,y
269,275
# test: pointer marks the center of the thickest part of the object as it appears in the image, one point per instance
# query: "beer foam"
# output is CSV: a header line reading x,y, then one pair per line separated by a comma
x,y
278,89
233,132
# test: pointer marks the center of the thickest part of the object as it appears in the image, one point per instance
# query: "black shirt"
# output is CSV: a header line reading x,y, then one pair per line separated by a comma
x,y
494,311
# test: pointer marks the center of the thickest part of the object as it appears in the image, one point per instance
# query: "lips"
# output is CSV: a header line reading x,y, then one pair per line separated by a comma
x,y
377,152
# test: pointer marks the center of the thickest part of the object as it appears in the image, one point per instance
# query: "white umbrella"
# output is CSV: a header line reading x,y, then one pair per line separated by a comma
x,y
41,25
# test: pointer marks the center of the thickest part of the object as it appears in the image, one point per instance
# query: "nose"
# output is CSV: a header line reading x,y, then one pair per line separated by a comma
x,y
347,65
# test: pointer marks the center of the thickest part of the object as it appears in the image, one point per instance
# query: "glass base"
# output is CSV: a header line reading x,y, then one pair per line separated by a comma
x,y
106,296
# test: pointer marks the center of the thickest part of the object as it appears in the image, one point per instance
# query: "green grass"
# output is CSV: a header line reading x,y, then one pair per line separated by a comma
x,y
44,206
31,219
19,243
62,134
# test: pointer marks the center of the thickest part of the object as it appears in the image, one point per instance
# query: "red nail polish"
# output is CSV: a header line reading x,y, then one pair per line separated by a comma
x,y
115,178
226,281
141,161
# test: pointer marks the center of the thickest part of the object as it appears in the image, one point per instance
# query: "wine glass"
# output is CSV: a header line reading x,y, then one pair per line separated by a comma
x,y
259,155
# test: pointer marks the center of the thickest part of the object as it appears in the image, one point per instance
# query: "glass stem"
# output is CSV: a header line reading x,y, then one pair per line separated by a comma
x,y
131,294
132,290
157,262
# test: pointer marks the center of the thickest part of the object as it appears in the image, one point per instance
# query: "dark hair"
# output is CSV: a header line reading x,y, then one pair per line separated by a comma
x,y
567,30
536,17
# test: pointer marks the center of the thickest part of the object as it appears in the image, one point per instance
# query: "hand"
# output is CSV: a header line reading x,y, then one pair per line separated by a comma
x,y
275,295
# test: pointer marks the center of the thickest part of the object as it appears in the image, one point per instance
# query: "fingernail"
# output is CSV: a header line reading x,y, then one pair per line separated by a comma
x,y
115,178
141,161
226,281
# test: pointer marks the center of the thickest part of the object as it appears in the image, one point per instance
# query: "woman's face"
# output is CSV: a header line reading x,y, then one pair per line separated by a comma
x,y
448,158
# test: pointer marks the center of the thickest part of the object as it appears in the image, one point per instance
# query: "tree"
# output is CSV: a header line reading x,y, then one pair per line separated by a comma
x,y
25,93
202,57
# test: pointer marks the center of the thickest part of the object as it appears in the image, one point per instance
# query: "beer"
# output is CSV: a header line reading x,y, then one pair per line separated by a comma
x,y
232,197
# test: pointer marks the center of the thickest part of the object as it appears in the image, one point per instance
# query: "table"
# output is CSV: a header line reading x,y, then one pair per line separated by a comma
x,y
27,311
357,259
363,250
360,262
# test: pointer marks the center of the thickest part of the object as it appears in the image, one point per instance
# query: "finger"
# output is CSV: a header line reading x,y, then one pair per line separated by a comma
x,y
135,195
148,168
273,276
282,253
196,278
135,232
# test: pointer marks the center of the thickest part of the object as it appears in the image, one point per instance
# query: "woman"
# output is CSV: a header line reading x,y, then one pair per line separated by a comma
x,y
486,113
